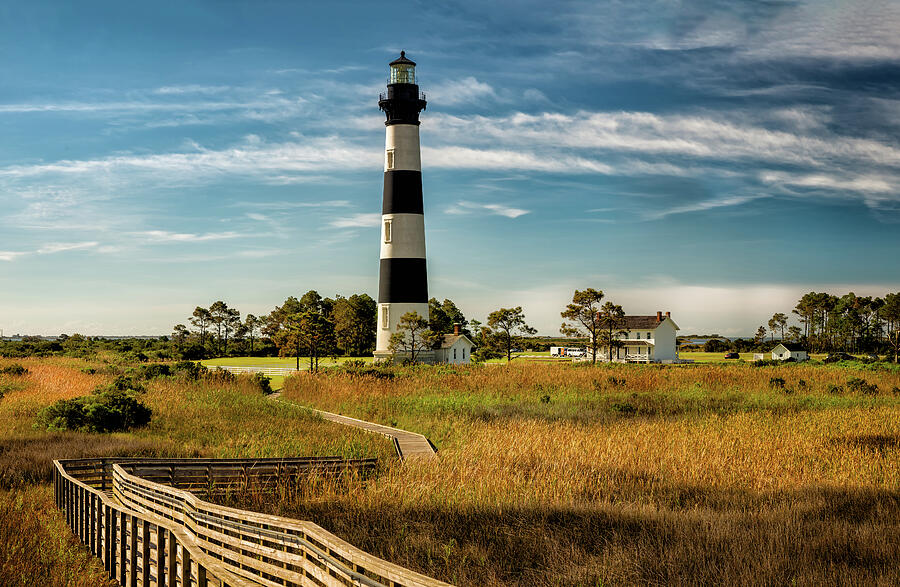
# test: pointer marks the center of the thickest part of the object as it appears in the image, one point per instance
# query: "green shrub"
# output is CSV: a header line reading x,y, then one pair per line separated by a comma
x,y
612,380
218,375
107,409
153,371
14,369
834,389
860,385
264,383
190,370
776,383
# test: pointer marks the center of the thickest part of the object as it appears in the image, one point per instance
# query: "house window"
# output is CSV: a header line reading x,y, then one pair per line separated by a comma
x,y
390,159
648,336
387,231
385,316
454,354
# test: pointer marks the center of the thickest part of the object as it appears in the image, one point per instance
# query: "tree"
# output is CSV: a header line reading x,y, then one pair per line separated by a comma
x,y
794,333
226,321
179,335
508,328
412,337
281,328
890,312
315,332
779,321
583,315
443,316
201,319
252,325
612,319
760,334
354,324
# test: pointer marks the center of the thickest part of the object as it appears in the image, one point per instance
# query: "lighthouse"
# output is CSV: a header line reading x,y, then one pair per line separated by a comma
x,y
403,282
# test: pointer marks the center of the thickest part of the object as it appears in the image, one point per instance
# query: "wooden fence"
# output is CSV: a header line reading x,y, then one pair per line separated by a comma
x,y
139,518
264,370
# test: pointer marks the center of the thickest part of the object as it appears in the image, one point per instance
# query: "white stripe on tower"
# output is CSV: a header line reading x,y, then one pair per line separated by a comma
x,y
403,282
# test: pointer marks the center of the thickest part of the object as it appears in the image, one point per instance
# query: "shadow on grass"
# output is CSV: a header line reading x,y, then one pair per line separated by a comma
x,y
690,535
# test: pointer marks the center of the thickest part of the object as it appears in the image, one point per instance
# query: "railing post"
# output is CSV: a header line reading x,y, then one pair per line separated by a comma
x,y
107,540
98,550
133,556
145,553
160,556
201,576
185,567
123,547
173,561
92,518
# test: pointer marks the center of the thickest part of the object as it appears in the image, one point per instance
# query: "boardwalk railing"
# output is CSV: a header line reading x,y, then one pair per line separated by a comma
x,y
138,517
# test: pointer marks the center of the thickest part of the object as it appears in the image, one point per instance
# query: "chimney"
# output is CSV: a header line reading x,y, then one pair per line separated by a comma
x,y
659,316
668,314
456,328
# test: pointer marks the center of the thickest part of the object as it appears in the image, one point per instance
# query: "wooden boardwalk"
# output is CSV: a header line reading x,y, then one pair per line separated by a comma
x,y
408,444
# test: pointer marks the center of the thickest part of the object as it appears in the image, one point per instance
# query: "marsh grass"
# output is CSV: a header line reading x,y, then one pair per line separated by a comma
x,y
669,475
216,417
37,548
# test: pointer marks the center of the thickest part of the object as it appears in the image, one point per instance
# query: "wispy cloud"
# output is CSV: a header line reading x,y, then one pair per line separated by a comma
x,y
60,247
357,221
165,236
465,207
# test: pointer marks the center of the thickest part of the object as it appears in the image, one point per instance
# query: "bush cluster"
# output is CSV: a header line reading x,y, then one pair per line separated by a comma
x,y
862,386
14,369
112,408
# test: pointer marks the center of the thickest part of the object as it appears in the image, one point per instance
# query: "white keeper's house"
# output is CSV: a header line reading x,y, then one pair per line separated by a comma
x,y
789,350
648,339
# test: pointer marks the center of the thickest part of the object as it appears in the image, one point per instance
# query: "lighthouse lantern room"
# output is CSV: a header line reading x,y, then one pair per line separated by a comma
x,y
403,282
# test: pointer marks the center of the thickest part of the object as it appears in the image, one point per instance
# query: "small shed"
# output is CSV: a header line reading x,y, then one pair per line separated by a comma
x,y
789,350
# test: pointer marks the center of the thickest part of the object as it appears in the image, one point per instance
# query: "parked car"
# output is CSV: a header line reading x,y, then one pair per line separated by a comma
x,y
732,356
835,357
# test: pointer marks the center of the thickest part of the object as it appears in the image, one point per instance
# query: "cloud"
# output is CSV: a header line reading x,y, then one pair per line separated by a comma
x,y
461,91
191,89
165,236
60,247
11,255
464,207
50,249
718,202
357,221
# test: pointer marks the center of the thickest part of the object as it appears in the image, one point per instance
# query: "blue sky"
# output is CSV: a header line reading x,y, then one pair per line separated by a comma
x,y
713,159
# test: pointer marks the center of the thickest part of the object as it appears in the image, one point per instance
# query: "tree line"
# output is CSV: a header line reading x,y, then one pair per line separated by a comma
x,y
848,323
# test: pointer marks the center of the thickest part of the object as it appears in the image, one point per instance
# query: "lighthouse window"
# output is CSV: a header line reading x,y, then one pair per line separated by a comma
x,y
390,159
387,231
385,316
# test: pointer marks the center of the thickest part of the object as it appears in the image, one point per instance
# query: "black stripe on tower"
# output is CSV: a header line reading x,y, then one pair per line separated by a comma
x,y
402,281
402,193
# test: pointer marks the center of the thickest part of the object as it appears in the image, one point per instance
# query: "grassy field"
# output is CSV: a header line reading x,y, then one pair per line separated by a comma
x,y
202,418
548,474
280,361
627,474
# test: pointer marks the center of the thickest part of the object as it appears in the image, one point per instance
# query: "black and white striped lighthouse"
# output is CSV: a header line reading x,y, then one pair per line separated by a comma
x,y
403,283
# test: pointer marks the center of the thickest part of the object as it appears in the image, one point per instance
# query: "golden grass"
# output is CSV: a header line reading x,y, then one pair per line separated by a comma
x,y
721,479
47,380
37,548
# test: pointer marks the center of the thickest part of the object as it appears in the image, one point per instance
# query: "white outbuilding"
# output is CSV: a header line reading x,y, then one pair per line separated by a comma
x,y
454,349
789,350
